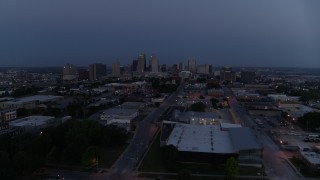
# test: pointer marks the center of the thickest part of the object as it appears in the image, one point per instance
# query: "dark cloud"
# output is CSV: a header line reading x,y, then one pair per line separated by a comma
x,y
225,32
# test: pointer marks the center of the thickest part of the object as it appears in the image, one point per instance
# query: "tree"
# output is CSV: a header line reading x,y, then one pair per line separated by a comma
x,y
53,112
199,107
90,156
213,86
23,112
54,155
282,88
24,163
6,169
214,102
170,155
201,80
71,154
232,168
310,121
184,175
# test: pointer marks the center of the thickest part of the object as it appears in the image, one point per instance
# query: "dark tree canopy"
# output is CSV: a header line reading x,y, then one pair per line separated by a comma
x,y
199,107
74,142
310,121
232,168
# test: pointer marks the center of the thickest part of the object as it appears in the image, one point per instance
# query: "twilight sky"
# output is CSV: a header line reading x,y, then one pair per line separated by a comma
x,y
284,33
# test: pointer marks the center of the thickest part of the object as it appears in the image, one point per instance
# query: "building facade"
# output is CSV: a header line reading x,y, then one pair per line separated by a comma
x,y
153,64
69,73
227,75
192,65
203,69
8,114
116,69
248,76
141,64
96,71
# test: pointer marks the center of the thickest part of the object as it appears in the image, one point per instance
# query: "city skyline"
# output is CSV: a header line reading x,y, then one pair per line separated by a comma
x,y
223,33
121,90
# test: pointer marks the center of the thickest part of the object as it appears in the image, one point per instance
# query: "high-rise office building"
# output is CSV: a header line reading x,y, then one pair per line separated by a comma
x,y
192,65
96,71
181,66
134,65
210,69
203,69
153,64
116,69
69,72
141,66
164,68
174,69
83,74
248,76
227,74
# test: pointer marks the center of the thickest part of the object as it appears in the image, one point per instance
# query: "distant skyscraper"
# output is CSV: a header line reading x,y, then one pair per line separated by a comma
x,y
210,69
116,69
203,69
83,74
69,72
248,76
227,74
181,66
134,65
127,69
175,69
97,70
164,68
192,65
141,67
153,64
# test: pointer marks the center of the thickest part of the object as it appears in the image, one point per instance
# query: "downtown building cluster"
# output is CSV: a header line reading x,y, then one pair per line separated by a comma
x,y
140,67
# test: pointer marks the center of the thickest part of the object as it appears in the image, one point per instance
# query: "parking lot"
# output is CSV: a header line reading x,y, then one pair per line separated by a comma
x,y
288,136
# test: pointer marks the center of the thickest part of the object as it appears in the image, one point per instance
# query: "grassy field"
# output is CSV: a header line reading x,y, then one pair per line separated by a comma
x,y
153,162
109,156
304,169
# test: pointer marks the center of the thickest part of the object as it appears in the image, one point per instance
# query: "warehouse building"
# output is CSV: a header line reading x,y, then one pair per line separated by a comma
x,y
119,116
212,144
33,123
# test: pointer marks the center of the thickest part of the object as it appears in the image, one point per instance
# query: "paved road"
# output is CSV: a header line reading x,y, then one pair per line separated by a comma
x,y
274,159
124,167
141,140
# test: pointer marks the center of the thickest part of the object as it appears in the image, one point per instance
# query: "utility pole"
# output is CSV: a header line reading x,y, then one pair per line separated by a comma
x,y
97,162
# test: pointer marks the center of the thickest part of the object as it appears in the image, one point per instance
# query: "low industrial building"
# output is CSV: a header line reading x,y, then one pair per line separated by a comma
x,y
311,158
8,114
133,105
212,144
33,123
119,116
199,118
216,93
295,110
29,102
283,98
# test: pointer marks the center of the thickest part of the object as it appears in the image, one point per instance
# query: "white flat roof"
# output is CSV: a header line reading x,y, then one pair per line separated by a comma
x,y
229,125
31,121
312,157
133,104
195,138
41,98
120,111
